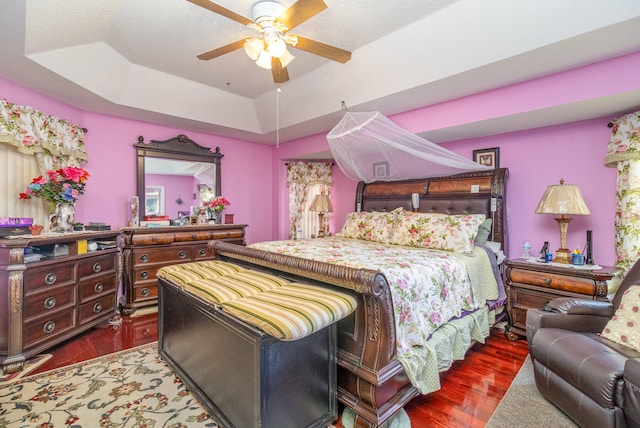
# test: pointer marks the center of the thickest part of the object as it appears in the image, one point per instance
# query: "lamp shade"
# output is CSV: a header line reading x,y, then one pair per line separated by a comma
x,y
321,203
562,199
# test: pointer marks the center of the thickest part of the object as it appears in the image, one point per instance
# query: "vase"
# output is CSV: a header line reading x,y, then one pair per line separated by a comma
x,y
64,217
217,217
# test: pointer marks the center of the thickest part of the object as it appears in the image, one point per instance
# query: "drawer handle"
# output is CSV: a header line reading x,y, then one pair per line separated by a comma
x,y
97,267
194,237
547,281
182,254
203,252
50,278
49,327
144,275
99,287
228,234
97,308
50,302
144,292
144,258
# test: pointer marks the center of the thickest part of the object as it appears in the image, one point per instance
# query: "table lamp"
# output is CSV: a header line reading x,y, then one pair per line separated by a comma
x,y
321,204
562,199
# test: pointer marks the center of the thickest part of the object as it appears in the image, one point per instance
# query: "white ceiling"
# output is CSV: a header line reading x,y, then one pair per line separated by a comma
x,y
137,59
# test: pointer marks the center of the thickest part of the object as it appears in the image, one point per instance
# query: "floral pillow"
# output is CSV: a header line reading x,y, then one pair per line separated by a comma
x,y
624,327
449,232
371,225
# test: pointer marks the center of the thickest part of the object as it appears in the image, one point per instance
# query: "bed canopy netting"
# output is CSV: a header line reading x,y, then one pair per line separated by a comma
x,y
369,147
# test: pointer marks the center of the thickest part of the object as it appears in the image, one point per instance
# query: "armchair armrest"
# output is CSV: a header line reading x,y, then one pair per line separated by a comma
x,y
568,313
576,306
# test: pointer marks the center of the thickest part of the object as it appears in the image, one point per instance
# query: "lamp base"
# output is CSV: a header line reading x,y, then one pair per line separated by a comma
x,y
563,255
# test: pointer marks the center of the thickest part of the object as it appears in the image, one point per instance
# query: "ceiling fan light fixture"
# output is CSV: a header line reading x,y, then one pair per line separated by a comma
x,y
264,60
286,59
276,46
253,47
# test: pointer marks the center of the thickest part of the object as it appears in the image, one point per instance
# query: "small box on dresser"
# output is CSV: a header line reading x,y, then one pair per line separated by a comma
x,y
530,284
53,298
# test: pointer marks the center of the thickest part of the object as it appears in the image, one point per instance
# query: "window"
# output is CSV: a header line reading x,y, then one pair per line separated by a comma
x,y
154,200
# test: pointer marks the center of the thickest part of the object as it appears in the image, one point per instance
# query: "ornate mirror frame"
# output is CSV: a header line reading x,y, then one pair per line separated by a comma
x,y
179,148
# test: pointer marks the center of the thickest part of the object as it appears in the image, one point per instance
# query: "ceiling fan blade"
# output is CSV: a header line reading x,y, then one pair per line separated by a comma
x,y
280,73
216,8
324,50
239,44
300,11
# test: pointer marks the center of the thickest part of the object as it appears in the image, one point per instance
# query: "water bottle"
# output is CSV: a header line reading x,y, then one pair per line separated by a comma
x,y
299,235
526,249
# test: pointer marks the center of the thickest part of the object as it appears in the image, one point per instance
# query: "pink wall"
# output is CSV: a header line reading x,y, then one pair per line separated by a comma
x,y
112,165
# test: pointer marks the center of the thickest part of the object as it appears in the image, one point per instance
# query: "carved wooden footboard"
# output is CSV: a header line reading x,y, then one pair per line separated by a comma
x,y
370,380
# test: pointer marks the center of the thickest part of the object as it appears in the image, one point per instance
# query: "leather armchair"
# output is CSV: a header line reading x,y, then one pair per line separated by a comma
x,y
595,381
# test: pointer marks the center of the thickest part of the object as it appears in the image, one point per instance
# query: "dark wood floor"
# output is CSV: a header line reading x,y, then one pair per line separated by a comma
x,y
470,392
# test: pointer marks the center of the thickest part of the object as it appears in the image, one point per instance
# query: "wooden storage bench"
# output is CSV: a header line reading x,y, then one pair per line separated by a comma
x,y
256,349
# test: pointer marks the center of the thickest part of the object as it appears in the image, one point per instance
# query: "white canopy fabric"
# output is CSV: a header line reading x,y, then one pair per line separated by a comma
x,y
369,147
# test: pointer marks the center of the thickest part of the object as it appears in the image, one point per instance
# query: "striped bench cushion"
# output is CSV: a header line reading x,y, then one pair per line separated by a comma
x,y
185,273
293,311
235,286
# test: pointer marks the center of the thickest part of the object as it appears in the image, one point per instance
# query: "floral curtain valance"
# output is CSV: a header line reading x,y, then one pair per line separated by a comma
x,y
34,132
309,173
624,143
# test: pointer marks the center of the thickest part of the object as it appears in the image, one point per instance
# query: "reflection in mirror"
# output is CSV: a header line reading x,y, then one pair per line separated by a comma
x,y
154,201
188,173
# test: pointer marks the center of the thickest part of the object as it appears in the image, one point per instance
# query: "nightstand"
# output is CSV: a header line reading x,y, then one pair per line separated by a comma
x,y
530,284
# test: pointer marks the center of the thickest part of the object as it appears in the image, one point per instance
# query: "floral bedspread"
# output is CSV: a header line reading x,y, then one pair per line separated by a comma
x,y
428,287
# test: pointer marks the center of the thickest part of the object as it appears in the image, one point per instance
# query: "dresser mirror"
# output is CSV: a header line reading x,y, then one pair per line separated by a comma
x,y
183,172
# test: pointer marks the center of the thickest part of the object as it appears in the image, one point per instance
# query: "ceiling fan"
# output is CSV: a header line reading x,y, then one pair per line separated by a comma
x,y
274,22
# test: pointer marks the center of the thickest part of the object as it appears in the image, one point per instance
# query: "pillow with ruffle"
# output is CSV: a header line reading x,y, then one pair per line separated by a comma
x,y
624,326
373,226
454,233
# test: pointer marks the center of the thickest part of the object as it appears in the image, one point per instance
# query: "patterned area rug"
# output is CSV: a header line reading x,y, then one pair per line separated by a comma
x,y
133,388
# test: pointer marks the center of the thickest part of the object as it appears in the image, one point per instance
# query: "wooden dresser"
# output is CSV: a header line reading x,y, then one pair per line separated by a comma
x,y
47,301
530,284
148,249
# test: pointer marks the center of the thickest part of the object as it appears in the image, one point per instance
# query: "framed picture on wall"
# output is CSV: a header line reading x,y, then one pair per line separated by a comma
x,y
380,170
488,157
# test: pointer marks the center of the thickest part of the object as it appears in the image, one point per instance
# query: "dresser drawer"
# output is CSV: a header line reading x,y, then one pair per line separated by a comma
x,y
46,276
152,239
97,308
99,286
201,235
553,281
96,266
161,255
228,234
143,292
49,301
200,252
44,329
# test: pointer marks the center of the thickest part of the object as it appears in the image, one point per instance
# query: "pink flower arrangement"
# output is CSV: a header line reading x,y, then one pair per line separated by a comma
x,y
63,185
218,203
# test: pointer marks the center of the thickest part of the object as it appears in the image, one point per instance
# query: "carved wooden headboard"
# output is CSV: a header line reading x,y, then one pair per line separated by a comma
x,y
468,193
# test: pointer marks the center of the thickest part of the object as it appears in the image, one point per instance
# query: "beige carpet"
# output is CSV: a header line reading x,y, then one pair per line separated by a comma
x,y
524,407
